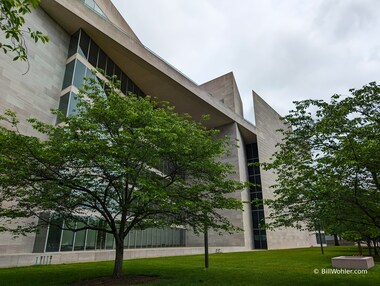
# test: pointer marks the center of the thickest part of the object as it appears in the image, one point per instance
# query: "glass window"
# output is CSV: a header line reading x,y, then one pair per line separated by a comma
x,y
73,47
158,237
67,240
110,67
90,3
93,54
249,151
89,75
100,240
255,150
80,71
132,239
319,238
91,239
84,43
163,237
124,83
126,240
154,237
260,239
68,78
54,236
170,236
255,219
41,234
109,241
255,180
138,238
101,236
175,237
257,195
256,235
131,86
63,105
117,72
73,104
149,237
80,237
98,10
102,60
183,237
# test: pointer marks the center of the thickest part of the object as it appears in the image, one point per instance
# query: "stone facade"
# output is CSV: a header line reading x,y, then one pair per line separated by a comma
x,y
33,95
237,218
267,122
225,89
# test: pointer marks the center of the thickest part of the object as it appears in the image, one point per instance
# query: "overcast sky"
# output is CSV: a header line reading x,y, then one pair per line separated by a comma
x,y
284,50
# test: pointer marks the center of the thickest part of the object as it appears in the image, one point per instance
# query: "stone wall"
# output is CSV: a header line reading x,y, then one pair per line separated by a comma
x,y
33,94
267,122
224,88
235,217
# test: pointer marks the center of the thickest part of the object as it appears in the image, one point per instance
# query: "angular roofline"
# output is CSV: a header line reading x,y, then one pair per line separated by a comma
x,y
150,72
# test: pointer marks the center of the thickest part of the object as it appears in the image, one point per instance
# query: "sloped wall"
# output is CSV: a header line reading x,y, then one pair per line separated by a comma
x,y
267,122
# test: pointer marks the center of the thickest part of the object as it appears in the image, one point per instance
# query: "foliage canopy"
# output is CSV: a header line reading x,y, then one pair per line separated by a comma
x,y
128,160
12,22
328,164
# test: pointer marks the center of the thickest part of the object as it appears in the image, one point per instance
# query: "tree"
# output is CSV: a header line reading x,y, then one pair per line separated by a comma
x,y
328,164
129,161
12,20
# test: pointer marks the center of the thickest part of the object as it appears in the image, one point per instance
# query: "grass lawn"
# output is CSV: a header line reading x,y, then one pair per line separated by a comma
x,y
274,267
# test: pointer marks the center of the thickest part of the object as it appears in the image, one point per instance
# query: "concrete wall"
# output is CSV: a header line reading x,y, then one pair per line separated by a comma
x,y
17,260
225,89
235,217
116,18
267,122
33,95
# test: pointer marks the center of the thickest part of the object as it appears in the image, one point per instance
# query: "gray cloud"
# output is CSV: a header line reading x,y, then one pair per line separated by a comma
x,y
284,50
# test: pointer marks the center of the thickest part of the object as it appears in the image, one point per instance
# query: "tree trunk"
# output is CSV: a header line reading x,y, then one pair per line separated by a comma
x,y
320,241
375,247
206,247
369,247
119,255
336,240
360,248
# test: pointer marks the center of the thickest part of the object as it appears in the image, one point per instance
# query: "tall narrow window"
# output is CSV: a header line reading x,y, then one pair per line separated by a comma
x,y
84,43
93,54
54,236
258,218
74,41
80,71
68,78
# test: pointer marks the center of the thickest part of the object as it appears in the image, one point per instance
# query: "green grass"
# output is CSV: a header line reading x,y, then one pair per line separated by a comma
x,y
275,267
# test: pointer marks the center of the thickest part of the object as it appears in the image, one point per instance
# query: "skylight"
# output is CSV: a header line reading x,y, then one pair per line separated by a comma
x,y
94,7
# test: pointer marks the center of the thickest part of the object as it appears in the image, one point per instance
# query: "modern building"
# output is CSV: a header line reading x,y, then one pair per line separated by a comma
x,y
87,34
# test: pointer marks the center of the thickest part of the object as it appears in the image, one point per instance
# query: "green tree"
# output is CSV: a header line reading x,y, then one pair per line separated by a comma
x,y
130,161
12,23
328,164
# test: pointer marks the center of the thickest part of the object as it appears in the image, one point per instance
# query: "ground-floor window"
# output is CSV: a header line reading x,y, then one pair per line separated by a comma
x,y
319,236
57,239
